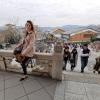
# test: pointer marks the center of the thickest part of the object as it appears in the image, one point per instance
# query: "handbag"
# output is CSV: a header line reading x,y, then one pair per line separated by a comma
x,y
17,53
19,58
18,50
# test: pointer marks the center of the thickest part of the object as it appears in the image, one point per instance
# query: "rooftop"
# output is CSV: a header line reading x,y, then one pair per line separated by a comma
x,y
85,30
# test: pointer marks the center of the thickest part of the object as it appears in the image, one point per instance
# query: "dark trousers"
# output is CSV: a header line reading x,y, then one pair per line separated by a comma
x,y
65,62
84,62
72,62
24,65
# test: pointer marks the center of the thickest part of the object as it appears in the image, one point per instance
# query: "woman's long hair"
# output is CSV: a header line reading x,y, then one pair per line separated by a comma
x,y
32,27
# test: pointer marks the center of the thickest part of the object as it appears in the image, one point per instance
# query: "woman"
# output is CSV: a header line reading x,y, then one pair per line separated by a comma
x,y
28,46
66,56
73,59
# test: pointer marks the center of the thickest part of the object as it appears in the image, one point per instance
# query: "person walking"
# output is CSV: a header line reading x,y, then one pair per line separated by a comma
x,y
28,47
85,53
66,56
73,58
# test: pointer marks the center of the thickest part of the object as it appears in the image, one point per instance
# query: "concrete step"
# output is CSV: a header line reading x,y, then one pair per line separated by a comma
x,y
86,77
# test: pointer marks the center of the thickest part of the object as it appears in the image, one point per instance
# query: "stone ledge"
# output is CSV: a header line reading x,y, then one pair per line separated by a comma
x,y
51,62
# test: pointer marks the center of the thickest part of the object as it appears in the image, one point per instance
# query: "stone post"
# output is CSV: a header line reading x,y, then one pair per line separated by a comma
x,y
57,62
2,64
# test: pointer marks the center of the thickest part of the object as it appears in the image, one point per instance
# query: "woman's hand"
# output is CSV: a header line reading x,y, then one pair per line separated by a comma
x,y
23,54
19,57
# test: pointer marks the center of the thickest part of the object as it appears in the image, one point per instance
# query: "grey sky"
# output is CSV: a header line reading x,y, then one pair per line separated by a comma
x,y
50,12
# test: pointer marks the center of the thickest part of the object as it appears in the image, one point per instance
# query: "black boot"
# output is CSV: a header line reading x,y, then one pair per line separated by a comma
x,y
98,72
94,71
72,68
64,68
82,71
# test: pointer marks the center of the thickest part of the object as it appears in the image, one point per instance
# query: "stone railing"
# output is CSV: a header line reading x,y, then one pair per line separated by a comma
x,y
46,63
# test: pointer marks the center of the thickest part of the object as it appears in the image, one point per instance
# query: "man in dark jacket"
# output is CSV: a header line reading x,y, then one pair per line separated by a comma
x,y
85,53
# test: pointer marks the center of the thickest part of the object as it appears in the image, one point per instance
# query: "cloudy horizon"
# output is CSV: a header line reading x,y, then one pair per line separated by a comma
x,y
50,12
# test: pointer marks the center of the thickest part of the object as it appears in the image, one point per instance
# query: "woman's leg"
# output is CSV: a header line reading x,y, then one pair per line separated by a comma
x,y
82,65
71,63
65,63
24,67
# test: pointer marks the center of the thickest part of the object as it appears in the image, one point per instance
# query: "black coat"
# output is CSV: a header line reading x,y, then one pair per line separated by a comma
x,y
66,55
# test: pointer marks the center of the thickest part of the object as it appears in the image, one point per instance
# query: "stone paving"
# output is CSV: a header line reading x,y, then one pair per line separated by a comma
x,y
78,86
40,88
75,86
70,90
33,88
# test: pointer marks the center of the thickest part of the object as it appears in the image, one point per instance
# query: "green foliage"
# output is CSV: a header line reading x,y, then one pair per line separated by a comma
x,y
13,39
93,38
12,35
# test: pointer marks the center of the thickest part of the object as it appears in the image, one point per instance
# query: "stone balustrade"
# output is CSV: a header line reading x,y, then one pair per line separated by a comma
x,y
46,63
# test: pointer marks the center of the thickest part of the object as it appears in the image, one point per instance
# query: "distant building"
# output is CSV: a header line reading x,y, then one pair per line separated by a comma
x,y
98,36
96,42
61,34
65,37
82,36
58,31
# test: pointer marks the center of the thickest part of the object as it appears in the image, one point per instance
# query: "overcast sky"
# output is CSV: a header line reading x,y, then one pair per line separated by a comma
x,y
50,12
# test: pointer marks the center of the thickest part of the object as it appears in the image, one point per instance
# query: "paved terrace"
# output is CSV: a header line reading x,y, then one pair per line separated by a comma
x,y
78,86
34,88
74,86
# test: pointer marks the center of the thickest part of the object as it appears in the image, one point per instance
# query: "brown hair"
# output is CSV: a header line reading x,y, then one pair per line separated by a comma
x,y
32,26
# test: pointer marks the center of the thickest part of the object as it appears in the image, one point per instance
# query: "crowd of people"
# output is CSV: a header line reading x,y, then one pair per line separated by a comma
x,y
70,54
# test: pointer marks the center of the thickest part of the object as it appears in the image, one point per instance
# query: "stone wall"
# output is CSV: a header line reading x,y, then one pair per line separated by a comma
x,y
46,64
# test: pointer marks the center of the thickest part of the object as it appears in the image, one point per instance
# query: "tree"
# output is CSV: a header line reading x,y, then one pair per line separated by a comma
x,y
93,38
12,34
